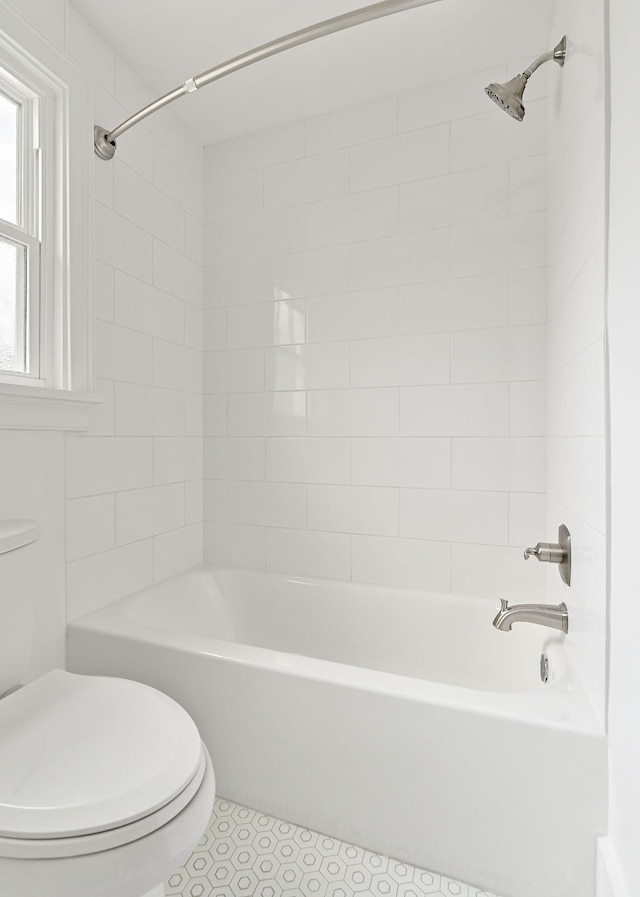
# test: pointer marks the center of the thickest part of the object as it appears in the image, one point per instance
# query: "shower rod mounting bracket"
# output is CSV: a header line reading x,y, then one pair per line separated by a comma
x,y
105,141
104,147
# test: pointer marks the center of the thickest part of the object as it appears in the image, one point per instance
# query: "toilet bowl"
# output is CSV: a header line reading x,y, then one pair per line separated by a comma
x,y
105,788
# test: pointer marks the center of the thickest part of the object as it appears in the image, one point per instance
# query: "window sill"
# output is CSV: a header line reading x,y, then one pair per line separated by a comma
x,y
33,408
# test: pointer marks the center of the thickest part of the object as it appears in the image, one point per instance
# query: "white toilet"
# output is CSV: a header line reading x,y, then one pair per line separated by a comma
x,y
105,784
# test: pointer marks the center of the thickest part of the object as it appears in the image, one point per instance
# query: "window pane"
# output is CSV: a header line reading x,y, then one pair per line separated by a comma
x,y
13,325
9,155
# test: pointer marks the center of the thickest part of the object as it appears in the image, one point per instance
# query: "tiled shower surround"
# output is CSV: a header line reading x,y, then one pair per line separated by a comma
x,y
375,307
576,367
245,853
134,482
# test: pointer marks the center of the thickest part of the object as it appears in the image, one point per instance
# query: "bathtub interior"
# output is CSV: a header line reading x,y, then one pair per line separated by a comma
x,y
427,636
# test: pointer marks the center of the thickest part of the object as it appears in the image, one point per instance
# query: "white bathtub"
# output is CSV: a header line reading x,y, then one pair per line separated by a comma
x,y
400,721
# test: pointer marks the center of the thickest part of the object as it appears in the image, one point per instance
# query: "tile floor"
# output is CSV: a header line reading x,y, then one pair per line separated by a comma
x,y
245,853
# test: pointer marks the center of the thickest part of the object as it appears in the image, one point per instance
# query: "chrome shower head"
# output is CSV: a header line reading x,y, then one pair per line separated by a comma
x,y
509,96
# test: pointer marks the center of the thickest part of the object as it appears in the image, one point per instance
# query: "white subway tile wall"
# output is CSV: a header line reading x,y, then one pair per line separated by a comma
x,y
576,404
375,344
134,483
369,288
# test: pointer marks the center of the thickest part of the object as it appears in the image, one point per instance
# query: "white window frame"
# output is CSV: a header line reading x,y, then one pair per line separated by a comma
x,y
62,395
28,230
32,299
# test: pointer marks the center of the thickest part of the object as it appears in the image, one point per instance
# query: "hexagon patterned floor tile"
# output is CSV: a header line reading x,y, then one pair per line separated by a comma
x,y
245,853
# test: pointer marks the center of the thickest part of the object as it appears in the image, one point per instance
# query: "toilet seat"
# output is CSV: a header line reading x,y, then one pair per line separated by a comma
x,y
82,845
89,763
130,870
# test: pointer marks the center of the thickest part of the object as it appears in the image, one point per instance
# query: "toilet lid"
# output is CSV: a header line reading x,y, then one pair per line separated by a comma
x,y
84,754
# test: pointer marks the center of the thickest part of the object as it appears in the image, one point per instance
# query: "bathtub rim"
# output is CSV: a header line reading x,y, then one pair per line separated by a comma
x,y
559,705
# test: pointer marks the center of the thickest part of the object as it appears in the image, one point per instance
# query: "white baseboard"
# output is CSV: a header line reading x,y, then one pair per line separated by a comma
x,y
609,881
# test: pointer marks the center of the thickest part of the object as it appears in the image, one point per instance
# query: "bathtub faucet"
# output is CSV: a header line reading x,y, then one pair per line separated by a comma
x,y
553,615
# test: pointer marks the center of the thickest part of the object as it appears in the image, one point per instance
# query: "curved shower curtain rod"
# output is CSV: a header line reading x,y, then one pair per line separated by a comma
x,y
105,141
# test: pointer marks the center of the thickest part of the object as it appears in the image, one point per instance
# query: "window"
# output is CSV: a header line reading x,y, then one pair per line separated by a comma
x,y
20,232
46,158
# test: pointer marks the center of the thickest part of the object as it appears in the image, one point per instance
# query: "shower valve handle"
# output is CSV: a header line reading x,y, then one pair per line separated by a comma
x,y
549,552
555,553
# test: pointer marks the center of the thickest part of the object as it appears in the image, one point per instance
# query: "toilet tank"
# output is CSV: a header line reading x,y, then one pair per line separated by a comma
x,y
17,603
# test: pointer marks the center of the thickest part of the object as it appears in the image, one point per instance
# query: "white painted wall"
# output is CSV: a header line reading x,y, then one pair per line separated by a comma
x,y
576,322
623,858
375,326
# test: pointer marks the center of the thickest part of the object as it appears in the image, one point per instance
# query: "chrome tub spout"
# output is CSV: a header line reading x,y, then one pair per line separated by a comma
x,y
552,615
